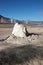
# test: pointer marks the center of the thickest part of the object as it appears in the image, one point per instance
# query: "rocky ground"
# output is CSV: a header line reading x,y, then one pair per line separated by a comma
x,y
21,51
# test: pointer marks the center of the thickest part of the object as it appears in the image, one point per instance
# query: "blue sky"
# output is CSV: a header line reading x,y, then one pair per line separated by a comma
x,y
22,9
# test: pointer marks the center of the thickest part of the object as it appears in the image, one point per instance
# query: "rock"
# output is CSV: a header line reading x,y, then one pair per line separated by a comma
x,y
34,37
19,30
20,36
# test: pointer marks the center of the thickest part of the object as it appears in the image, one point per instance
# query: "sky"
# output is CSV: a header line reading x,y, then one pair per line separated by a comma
x,y
22,9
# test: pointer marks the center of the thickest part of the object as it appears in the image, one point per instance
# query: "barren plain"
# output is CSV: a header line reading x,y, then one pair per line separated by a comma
x,y
30,53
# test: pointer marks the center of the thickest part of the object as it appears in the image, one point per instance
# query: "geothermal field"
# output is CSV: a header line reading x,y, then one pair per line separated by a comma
x,y
21,44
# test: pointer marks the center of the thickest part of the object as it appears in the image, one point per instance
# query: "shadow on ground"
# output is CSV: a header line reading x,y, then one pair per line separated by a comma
x,y
21,55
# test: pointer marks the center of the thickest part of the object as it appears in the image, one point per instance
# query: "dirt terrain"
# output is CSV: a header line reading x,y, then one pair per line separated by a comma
x,y
30,52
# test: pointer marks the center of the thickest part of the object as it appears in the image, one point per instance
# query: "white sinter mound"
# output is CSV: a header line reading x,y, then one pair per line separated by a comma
x,y
19,30
21,36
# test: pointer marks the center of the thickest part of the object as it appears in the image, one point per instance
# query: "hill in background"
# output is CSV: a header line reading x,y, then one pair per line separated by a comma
x,y
10,20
